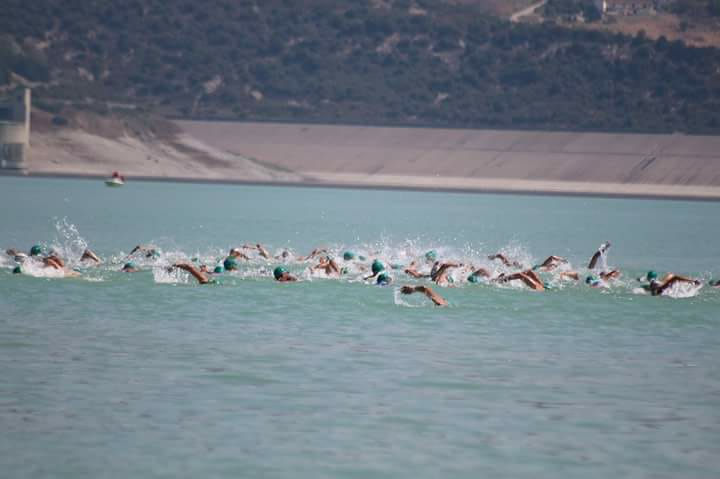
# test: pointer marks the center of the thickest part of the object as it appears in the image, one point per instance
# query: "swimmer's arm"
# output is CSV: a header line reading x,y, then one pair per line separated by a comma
x,y
501,257
263,252
671,279
594,260
427,291
196,273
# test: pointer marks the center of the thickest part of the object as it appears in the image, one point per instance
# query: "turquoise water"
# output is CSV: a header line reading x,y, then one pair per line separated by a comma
x,y
151,375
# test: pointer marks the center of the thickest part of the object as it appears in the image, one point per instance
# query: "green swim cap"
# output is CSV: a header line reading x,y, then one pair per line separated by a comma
x,y
130,265
36,250
591,279
431,255
218,269
348,256
155,253
472,278
230,263
651,275
383,278
377,267
17,270
279,271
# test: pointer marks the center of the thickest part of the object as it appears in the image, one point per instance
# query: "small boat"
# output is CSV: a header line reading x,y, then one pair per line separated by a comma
x,y
116,180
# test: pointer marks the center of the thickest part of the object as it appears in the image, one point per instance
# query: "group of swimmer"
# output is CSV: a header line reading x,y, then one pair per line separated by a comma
x,y
426,267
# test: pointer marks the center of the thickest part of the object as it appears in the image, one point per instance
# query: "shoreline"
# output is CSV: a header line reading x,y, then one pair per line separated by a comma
x,y
423,184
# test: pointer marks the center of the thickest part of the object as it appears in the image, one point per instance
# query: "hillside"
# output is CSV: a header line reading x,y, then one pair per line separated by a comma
x,y
411,62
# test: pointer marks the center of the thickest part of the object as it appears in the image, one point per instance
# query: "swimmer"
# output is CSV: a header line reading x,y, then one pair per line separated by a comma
x,y
714,284
88,255
431,256
441,271
551,263
601,250
230,263
529,277
377,267
16,255
504,260
148,251
282,275
130,267
262,251
412,270
657,288
427,291
200,276
314,253
328,265
383,279
237,253
36,250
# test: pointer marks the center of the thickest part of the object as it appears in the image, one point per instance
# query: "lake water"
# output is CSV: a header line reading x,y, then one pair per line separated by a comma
x,y
152,375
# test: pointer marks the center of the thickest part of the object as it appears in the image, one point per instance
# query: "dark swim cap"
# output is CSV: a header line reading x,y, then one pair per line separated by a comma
x,y
383,279
591,279
36,250
377,267
472,278
17,270
130,265
651,275
279,271
230,263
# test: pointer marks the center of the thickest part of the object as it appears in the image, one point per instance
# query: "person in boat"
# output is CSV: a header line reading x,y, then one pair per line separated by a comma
x,y
282,275
657,287
427,291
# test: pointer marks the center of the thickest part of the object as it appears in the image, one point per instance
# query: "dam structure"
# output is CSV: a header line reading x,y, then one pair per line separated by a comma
x,y
15,131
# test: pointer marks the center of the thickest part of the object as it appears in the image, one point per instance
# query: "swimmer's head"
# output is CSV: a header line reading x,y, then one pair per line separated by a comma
x,y
129,266
348,256
651,275
17,270
218,269
279,271
591,279
195,260
473,278
230,263
383,279
154,254
345,270
431,255
36,250
377,266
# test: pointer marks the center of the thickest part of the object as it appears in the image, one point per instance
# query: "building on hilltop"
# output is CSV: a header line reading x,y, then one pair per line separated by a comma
x,y
628,7
15,131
